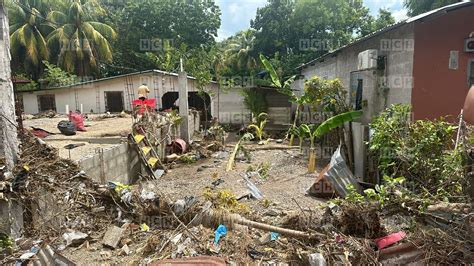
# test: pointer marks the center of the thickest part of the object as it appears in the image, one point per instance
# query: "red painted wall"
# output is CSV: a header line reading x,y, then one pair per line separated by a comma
x,y
438,90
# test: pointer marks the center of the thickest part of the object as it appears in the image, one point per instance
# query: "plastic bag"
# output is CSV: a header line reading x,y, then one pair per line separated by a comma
x,y
67,128
78,120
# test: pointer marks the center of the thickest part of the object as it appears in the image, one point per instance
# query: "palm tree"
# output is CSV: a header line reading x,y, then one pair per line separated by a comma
x,y
81,42
27,38
239,50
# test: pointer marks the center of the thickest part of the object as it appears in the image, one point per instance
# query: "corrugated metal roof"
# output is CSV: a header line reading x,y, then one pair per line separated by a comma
x,y
440,10
114,77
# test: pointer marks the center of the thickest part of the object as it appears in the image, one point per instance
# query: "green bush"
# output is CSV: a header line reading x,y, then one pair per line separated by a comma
x,y
421,151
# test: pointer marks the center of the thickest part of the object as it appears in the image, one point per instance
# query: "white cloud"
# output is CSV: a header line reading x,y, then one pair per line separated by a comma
x,y
400,15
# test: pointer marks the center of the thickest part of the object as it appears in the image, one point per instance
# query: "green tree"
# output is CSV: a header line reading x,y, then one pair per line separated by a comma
x,y
416,7
27,35
81,42
157,26
327,24
240,50
272,27
383,20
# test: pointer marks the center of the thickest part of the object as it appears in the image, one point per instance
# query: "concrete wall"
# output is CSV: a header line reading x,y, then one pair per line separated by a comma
x,y
398,75
8,133
118,163
232,110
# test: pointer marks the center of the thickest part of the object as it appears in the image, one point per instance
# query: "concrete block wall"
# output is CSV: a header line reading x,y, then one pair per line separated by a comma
x,y
119,163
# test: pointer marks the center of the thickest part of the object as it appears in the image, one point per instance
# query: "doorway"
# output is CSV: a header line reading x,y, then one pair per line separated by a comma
x,y
46,103
114,101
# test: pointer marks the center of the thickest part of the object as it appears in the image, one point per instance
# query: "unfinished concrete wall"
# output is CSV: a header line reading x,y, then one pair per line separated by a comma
x,y
8,133
396,45
118,163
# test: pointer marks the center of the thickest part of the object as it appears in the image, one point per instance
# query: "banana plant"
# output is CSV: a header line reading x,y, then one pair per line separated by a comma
x,y
238,146
259,125
314,131
301,132
285,89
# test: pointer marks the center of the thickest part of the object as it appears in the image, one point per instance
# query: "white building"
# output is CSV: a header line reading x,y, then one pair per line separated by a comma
x,y
115,94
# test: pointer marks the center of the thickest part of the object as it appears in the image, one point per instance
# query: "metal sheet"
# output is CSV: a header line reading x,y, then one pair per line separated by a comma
x,y
340,176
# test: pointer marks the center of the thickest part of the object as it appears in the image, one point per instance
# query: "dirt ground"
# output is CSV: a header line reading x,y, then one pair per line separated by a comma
x,y
284,187
101,133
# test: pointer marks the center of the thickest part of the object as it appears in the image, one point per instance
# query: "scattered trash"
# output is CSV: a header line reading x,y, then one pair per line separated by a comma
x,y
40,133
74,238
268,237
67,128
78,120
220,232
176,238
147,195
144,227
335,177
253,189
386,241
316,259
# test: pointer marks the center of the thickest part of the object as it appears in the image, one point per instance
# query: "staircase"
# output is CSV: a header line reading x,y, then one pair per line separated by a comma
x,y
147,153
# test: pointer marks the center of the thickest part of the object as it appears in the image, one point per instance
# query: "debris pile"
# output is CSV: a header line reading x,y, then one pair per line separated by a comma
x,y
70,216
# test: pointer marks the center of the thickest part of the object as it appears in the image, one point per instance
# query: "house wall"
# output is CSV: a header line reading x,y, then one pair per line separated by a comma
x,y
92,95
396,45
438,90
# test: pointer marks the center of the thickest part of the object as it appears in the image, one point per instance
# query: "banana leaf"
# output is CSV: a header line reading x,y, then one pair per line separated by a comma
x,y
268,66
336,121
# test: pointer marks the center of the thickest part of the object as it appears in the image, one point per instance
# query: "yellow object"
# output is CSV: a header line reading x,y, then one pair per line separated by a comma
x,y
138,138
152,161
146,150
144,227
26,167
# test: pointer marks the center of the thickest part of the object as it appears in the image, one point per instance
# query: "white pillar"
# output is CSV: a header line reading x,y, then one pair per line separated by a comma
x,y
183,105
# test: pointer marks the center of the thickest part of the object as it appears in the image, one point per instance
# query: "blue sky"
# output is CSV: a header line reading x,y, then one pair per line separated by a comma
x,y
236,14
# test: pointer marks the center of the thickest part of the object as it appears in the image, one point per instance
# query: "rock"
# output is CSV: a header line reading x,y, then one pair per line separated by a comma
x,y
179,206
113,236
279,141
125,250
271,212
74,238
220,155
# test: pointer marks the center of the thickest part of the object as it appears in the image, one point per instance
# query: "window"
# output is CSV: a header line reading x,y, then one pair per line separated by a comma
x,y
46,103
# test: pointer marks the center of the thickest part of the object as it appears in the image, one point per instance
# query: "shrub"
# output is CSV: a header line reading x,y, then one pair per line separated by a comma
x,y
421,151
